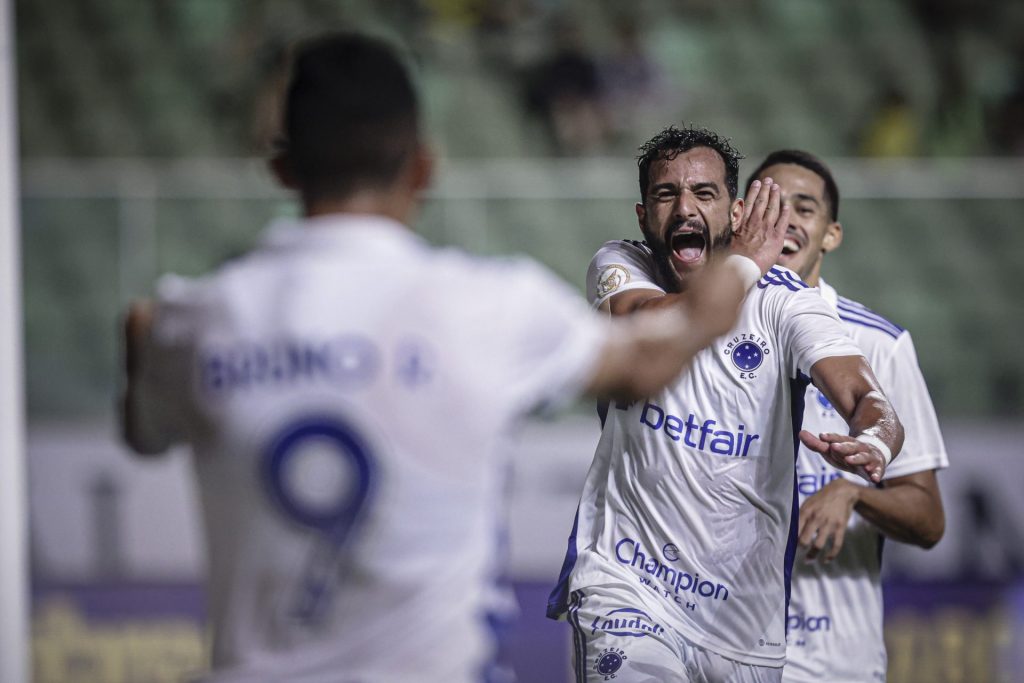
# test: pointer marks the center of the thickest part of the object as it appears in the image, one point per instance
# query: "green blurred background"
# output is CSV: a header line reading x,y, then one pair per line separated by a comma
x,y
142,128
139,120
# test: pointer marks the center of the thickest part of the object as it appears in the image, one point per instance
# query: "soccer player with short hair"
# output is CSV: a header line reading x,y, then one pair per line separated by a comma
x,y
835,616
346,390
679,560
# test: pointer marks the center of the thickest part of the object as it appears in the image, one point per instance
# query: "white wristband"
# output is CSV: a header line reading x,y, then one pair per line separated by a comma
x,y
745,269
877,443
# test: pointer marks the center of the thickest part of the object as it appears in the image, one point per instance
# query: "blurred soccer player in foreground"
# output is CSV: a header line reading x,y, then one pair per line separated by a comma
x,y
346,390
679,562
835,615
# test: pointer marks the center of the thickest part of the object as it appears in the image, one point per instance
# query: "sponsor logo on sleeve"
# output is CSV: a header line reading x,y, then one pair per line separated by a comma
x,y
611,278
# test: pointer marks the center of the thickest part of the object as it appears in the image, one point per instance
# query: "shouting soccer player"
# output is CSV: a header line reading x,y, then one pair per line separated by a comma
x,y
346,390
680,557
835,615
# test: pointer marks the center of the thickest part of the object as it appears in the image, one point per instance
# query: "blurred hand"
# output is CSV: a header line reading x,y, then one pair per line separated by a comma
x,y
713,300
762,228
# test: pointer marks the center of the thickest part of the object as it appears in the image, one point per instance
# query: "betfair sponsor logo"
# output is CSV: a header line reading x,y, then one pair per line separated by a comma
x,y
708,436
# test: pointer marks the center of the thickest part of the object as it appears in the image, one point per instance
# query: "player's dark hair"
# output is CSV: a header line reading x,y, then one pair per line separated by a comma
x,y
351,115
812,164
671,142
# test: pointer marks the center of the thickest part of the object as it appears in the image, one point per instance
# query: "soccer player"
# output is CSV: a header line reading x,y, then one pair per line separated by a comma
x,y
835,615
346,390
679,559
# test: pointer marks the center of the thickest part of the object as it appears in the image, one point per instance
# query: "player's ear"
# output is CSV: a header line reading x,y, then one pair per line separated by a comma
x,y
736,213
641,215
833,236
422,168
281,166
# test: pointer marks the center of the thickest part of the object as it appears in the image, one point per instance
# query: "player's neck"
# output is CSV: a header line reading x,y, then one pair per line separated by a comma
x,y
398,205
813,277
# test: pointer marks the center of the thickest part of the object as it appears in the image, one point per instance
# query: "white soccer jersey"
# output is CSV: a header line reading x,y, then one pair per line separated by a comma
x,y
690,499
347,390
835,616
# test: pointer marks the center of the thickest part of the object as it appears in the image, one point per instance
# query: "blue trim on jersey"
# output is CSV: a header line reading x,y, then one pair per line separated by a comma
x,y
865,316
890,330
797,389
558,600
579,638
783,278
793,278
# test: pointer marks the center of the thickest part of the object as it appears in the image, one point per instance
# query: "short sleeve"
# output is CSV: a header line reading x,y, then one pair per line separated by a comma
x,y
547,341
902,381
618,266
809,330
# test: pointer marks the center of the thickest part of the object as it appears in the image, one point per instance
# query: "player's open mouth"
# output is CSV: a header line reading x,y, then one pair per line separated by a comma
x,y
792,243
688,245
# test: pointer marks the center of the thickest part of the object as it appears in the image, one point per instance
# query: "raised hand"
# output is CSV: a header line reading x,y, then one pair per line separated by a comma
x,y
762,227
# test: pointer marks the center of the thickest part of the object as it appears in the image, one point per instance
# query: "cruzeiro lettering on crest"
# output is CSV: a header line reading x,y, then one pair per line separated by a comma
x,y
748,352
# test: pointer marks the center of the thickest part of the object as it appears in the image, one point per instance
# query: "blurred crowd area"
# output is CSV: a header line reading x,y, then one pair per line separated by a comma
x,y
536,108
528,78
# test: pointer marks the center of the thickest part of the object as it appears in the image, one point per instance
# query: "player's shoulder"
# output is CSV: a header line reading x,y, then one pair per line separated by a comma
x,y
780,280
781,288
867,324
625,250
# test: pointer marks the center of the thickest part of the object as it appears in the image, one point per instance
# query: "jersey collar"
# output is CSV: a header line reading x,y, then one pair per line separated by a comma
x,y
340,229
828,292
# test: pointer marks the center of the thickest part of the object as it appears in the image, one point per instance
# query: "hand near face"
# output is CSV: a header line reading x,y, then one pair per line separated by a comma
x,y
762,226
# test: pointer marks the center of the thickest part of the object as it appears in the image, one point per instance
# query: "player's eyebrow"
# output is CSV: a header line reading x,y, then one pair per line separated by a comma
x,y
705,185
804,197
664,186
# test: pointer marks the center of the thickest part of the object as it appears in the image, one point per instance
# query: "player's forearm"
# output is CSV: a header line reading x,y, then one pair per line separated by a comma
x,y
908,513
138,426
874,416
646,352
663,301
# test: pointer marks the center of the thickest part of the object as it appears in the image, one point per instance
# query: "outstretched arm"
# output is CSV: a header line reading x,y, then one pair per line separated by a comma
x,y
646,351
876,435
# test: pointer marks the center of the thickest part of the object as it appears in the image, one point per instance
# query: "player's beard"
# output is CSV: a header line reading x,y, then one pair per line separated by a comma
x,y
663,261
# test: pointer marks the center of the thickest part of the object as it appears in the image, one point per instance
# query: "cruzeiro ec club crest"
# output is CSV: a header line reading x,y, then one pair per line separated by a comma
x,y
747,352
609,661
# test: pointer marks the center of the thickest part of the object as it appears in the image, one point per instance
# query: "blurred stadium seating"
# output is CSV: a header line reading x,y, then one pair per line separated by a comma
x,y
170,80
